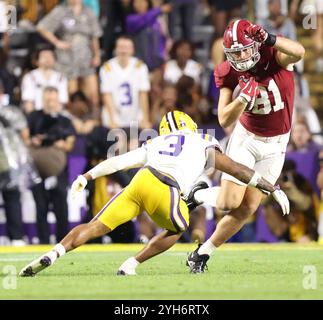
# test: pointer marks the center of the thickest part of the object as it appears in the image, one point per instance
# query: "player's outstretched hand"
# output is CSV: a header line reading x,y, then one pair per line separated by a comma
x,y
249,91
78,185
281,198
257,33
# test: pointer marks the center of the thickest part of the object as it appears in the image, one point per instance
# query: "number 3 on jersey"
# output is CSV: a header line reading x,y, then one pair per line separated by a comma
x,y
263,104
175,146
126,98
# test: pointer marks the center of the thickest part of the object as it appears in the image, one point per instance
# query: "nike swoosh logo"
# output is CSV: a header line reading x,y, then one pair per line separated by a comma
x,y
266,66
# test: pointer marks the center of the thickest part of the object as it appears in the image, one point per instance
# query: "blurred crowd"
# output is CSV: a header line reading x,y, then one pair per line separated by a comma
x,y
73,72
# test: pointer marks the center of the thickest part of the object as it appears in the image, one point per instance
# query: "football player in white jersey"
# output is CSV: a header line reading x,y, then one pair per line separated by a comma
x,y
172,163
35,81
124,85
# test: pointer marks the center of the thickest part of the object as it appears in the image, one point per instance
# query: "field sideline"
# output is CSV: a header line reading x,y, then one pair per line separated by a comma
x,y
236,271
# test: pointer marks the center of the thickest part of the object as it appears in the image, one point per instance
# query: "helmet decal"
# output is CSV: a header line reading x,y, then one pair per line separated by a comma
x,y
171,121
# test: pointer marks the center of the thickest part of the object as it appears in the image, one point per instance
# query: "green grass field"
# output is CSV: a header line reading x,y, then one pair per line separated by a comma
x,y
236,271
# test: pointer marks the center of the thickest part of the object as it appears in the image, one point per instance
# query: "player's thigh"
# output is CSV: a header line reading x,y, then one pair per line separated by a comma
x,y
242,149
271,167
120,209
172,212
230,195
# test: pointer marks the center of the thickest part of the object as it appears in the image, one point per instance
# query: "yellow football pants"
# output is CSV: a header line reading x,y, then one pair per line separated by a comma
x,y
146,193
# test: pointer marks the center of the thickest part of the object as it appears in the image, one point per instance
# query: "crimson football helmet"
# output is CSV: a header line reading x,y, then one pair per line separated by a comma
x,y
236,41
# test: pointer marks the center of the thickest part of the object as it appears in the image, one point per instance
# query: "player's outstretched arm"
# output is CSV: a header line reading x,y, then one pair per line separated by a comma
x,y
251,178
289,51
132,159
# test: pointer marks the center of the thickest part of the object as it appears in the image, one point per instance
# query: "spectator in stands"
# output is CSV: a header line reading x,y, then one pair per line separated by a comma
x,y
6,77
191,100
36,9
34,82
301,139
184,11
319,182
116,11
124,83
94,5
16,168
277,22
79,112
181,63
301,225
144,26
289,7
303,110
304,152
77,46
165,102
222,12
318,36
52,136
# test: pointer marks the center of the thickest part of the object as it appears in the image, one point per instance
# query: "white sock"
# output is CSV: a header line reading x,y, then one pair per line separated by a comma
x,y
206,248
60,249
129,266
208,196
56,252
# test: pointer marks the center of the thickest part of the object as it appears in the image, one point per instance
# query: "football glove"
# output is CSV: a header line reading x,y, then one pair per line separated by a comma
x,y
78,185
249,91
257,33
282,199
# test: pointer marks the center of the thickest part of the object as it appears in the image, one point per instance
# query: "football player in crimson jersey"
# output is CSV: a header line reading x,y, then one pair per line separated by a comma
x,y
259,67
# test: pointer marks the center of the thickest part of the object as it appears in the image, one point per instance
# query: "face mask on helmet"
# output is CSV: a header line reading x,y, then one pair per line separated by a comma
x,y
243,58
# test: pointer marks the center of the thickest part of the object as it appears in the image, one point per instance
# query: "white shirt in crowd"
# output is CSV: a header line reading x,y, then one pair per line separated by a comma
x,y
3,17
34,82
124,84
173,72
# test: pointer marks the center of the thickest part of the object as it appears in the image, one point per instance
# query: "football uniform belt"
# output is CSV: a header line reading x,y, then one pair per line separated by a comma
x,y
163,178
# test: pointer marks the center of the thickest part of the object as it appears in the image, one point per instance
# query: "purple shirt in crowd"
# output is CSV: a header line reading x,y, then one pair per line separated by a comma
x,y
149,40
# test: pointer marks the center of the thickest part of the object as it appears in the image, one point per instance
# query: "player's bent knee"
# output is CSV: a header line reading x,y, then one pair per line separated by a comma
x,y
247,209
97,228
227,204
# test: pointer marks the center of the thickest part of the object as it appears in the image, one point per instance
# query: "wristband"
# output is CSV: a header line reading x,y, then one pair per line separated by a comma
x,y
82,179
271,40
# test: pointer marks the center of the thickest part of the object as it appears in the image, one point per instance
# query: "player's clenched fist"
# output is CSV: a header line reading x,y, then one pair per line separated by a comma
x,y
249,91
78,185
257,33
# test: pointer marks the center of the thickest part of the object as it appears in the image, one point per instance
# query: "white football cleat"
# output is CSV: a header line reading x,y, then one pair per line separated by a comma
x,y
36,266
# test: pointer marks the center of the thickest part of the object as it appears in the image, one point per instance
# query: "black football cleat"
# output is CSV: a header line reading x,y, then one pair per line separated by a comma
x,y
197,262
190,200
121,273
